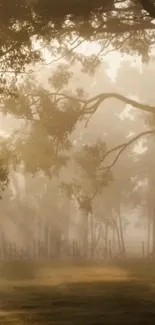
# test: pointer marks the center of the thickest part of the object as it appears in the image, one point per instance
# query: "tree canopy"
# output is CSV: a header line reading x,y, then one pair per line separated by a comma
x,y
125,25
79,139
52,114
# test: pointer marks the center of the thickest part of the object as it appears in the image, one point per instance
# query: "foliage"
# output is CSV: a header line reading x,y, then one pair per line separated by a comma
x,y
88,182
43,143
53,115
123,25
5,164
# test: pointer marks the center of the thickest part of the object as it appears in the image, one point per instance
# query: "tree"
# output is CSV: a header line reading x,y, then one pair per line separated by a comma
x,y
41,110
123,25
5,165
50,130
86,186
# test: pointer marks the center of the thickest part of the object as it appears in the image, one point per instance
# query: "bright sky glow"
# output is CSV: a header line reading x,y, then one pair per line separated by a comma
x,y
113,58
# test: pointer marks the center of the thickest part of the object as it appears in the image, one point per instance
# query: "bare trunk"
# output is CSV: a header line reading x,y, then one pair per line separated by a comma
x,y
121,232
114,235
118,234
153,232
95,235
92,236
85,235
106,239
143,250
149,231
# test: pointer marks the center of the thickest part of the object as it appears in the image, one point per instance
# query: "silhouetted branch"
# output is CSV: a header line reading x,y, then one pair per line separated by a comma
x,y
149,6
91,105
68,51
59,96
122,147
97,100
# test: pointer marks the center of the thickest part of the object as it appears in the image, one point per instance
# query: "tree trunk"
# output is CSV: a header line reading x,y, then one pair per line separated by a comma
x,y
85,234
114,236
149,231
121,232
106,239
153,232
92,236
118,235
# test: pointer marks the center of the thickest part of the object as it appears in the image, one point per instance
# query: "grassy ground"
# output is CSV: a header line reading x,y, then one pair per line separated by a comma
x,y
123,294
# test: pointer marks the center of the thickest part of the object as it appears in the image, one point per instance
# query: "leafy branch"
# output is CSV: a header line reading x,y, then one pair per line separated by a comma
x,y
96,101
91,105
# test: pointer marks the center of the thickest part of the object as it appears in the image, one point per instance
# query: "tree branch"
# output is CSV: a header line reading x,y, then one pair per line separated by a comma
x,y
122,147
91,105
111,29
97,100
60,96
68,51
149,7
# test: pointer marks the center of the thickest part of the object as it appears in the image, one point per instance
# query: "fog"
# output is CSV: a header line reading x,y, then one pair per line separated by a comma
x,y
77,158
30,199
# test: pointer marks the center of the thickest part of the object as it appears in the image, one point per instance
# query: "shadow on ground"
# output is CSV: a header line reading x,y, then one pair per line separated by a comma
x,y
95,303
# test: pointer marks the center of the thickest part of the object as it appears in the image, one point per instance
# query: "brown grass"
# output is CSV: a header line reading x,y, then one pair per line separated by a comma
x,y
79,294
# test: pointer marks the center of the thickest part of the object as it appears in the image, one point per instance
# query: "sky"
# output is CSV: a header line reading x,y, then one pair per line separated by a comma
x,y
113,58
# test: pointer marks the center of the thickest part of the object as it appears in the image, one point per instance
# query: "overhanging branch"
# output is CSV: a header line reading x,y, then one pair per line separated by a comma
x,y
122,147
92,104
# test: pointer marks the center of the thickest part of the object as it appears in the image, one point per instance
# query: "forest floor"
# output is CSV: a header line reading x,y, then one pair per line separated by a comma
x,y
123,294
